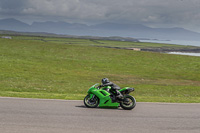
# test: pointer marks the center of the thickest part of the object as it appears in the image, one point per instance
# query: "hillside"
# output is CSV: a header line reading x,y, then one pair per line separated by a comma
x,y
45,34
107,42
64,68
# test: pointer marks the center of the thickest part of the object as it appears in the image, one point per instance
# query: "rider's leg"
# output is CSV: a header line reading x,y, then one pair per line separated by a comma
x,y
118,94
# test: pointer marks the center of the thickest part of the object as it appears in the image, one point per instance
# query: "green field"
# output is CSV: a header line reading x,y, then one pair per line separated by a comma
x,y
64,68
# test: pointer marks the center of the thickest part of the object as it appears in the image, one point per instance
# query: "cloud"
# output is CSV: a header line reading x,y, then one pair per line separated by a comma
x,y
150,12
79,9
11,6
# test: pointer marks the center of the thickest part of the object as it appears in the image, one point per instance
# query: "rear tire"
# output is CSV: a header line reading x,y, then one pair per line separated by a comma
x,y
128,103
91,103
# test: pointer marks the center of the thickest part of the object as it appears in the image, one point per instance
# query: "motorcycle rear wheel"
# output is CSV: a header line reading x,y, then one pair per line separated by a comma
x,y
128,103
91,103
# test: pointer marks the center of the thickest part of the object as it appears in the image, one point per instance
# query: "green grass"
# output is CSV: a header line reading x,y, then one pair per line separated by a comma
x,y
91,42
60,68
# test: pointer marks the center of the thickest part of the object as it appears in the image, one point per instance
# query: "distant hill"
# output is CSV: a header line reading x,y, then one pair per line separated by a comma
x,y
13,24
102,30
44,34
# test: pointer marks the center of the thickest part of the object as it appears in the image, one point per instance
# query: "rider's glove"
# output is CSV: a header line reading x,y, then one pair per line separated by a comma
x,y
101,86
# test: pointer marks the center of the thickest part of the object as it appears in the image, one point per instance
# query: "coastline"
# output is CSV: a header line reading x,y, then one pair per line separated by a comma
x,y
181,51
167,50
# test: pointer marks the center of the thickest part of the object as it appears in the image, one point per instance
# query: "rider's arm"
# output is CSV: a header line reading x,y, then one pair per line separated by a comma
x,y
108,84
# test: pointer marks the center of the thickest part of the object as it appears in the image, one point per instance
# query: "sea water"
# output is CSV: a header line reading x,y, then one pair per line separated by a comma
x,y
181,53
178,42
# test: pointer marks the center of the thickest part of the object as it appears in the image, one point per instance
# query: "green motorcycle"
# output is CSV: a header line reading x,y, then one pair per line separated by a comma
x,y
105,98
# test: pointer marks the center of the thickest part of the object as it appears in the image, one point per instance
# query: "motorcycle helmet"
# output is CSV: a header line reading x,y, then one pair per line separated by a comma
x,y
105,80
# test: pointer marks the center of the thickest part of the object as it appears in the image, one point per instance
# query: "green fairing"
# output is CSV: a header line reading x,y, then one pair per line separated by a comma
x,y
106,87
104,97
124,89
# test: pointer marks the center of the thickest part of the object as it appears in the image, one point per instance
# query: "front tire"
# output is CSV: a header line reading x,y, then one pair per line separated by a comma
x,y
128,102
91,103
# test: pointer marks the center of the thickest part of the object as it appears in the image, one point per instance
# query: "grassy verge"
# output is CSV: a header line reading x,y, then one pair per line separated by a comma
x,y
61,68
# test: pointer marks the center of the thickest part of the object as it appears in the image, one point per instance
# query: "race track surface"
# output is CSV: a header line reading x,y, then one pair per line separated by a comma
x,y
59,116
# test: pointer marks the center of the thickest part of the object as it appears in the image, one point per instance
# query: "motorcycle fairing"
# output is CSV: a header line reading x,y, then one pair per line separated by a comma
x,y
104,98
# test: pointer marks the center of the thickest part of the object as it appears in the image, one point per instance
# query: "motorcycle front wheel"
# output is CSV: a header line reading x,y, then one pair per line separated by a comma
x,y
91,103
128,102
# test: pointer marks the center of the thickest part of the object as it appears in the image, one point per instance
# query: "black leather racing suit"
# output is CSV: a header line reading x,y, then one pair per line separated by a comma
x,y
114,88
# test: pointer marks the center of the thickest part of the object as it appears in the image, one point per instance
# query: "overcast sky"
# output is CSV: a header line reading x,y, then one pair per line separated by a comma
x,y
154,13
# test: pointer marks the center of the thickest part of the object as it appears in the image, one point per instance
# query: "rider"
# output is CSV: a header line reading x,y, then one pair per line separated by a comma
x,y
114,87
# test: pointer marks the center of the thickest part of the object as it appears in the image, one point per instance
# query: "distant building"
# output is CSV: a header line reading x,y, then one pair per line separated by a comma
x,y
7,37
135,49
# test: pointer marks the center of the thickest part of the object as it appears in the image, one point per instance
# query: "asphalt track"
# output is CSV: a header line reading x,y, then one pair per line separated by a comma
x,y
59,116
